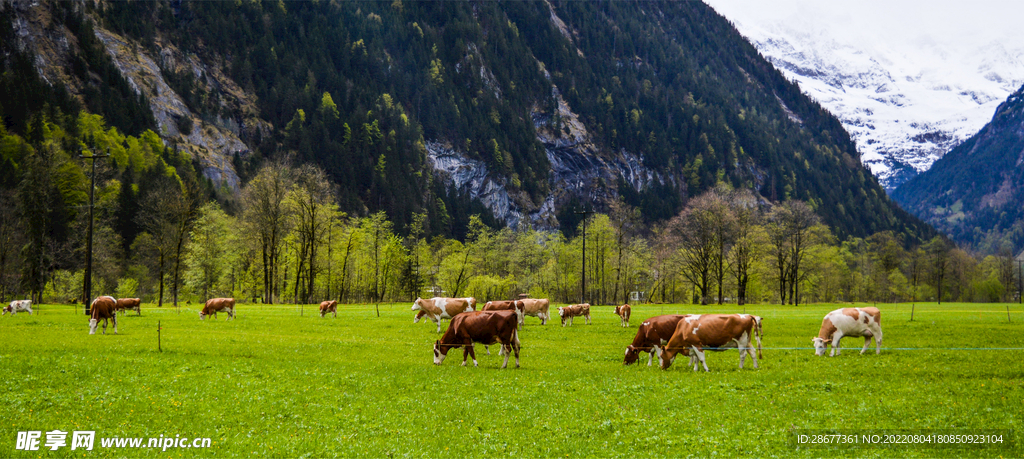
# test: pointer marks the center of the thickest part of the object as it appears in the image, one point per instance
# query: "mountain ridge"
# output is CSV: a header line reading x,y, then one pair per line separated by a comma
x,y
555,103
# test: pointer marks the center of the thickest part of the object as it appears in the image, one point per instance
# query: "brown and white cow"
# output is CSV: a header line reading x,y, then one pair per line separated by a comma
x,y
715,332
329,307
487,327
104,307
129,304
654,331
215,305
516,306
438,308
537,308
573,310
17,306
866,322
623,312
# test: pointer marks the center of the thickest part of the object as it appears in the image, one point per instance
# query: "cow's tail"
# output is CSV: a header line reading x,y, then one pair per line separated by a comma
x,y
757,335
515,338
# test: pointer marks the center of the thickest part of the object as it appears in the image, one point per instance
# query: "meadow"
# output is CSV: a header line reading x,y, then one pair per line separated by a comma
x,y
272,383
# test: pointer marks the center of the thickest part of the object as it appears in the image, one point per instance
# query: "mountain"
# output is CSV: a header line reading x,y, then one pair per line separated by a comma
x,y
908,83
522,111
973,193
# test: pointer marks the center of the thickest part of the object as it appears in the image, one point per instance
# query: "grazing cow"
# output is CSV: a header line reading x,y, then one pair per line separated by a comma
x,y
866,322
104,307
537,308
438,308
215,305
487,327
329,307
129,304
716,332
568,312
516,306
654,331
18,305
623,312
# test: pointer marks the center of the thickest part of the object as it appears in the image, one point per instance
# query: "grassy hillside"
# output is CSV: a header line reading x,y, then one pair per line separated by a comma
x,y
273,383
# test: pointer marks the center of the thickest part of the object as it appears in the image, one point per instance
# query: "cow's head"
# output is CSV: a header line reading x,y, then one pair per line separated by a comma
x,y
617,310
440,352
92,326
202,315
632,354
416,304
8,309
820,345
561,312
664,359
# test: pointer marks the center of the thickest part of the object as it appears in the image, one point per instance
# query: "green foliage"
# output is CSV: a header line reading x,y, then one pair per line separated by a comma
x,y
127,287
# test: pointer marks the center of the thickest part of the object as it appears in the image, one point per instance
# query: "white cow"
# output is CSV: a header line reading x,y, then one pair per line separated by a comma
x,y
866,322
438,308
18,305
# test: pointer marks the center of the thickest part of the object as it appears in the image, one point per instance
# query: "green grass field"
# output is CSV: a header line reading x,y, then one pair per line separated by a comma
x,y
271,383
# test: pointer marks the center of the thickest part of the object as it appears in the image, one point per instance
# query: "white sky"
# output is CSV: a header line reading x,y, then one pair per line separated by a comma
x,y
901,23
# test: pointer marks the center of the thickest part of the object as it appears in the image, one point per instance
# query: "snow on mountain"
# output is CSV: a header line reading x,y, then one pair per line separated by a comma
x,y
909,80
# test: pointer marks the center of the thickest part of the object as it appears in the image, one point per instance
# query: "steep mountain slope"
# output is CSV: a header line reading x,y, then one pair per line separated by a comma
x,y
908,84
974,193
524,111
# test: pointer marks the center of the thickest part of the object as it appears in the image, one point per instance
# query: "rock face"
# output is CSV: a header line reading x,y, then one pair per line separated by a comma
x,y
578,169
213,142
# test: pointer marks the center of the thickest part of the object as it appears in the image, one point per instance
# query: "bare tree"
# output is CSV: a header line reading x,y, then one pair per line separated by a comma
x,y
155,219
697,233
265,218
312,206
748,239
182,210
938,254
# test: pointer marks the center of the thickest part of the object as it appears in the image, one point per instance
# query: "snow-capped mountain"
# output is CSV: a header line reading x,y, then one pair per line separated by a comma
x,y
909,80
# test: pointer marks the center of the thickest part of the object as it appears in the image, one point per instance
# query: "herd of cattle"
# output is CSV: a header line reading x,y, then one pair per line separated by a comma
x,y
664,336
499,322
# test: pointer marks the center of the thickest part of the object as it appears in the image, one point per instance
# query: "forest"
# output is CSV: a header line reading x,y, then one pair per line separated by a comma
x,y
164,234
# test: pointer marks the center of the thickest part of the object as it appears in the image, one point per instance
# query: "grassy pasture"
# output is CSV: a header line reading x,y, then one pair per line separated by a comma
x,y
272,383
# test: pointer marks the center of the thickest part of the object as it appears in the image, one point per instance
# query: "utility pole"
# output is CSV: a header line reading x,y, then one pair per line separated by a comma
x,y
87,281
583,278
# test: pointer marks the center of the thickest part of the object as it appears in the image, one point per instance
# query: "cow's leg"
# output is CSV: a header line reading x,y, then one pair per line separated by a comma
x,y
703,361
867,341
489,350
465,354
105,320
650,357
115,323
588,319
743,355
437,320
507,352
878,341
836,349
472,353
